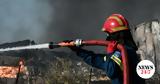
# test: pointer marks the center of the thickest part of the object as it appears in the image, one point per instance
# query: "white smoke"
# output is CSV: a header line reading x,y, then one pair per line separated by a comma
x,y
24,19
56,20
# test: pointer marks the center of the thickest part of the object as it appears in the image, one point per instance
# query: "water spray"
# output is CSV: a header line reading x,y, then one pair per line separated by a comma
x,y
50,45
39,46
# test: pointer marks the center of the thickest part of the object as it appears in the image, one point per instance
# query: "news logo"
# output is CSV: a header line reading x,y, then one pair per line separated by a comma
x,y
145,69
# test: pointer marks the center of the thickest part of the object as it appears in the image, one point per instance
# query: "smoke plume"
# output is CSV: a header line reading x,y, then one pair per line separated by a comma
x,y
56,20
24,19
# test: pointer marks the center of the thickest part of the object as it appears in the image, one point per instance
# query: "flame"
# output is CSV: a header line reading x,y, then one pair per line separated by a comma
x,y
11,72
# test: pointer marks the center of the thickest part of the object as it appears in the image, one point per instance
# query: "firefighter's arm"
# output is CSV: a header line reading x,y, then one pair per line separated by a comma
x,y
101,61
96,60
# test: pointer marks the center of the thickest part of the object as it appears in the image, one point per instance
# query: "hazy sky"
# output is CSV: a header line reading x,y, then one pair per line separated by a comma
x,y
56,20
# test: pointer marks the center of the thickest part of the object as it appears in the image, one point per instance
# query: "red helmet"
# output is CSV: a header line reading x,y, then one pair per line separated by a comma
x,y
115,23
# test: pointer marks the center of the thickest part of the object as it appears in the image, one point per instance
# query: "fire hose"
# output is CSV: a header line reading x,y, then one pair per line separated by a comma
x,y
52,45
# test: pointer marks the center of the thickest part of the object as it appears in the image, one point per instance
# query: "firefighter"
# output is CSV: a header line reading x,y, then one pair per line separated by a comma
x,y
117,31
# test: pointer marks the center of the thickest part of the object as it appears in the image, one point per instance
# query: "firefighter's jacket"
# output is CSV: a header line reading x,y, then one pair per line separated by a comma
x,y
112,65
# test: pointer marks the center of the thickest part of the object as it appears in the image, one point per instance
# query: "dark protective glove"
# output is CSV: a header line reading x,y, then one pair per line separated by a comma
x,y
77,46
